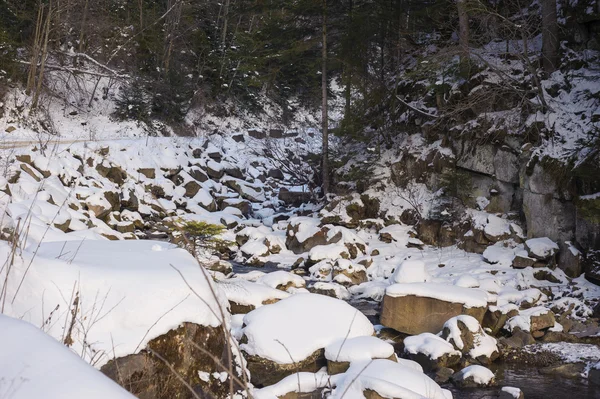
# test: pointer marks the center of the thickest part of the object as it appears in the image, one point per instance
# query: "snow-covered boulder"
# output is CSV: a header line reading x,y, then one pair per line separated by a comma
x,y
386,379
35,365
349,273
410,271
474,376
431,351
541,248
466,335
341,353
245,296
290,335
414,308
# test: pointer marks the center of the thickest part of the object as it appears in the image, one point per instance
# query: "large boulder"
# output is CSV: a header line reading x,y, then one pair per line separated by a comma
x,y
290,335
415,308
191,351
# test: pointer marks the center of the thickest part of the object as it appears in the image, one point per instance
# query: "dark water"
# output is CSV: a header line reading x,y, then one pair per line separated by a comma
x,y
533,384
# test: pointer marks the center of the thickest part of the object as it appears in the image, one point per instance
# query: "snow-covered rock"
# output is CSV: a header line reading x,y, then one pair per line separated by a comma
x,y
35,365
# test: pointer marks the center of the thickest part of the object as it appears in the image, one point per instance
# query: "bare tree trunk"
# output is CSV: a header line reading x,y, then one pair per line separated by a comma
x,y
550,43
82,32
35,49
40,79
324,122
225,22
463,37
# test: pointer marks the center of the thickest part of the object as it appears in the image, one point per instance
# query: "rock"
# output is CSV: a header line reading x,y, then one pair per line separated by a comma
x,y
276,133
318,238
150,173
496,319
190,349
521,262
477,158
10,129
294,198
570,261
443,374
257,133
511,393
265,372
567,370
245,190
474,376
548,217
113,173
198,174
412,314
243,205
238,138
234,172
518,339
215,170
467,336
431,351
594,375
191,189
541,248
506,166
428,231
220,266
543,321
37,176
276,174
347,273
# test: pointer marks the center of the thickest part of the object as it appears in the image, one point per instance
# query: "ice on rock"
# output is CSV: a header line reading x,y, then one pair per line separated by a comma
x,y
295,327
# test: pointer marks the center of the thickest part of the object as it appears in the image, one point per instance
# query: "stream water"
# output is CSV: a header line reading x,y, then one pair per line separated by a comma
x,y
533,384
526,377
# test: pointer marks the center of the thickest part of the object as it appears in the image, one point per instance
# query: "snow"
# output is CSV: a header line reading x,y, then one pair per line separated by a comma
x,y
389,379
523,319
299,382
330,251
542,247
358,349
481,375
244,292
483,344
468,297
281,278
410,271
430,345
35,365
120,311
293,328
513,391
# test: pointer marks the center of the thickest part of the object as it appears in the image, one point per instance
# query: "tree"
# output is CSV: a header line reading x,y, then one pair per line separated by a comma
x,y
550,42
324,121
463,37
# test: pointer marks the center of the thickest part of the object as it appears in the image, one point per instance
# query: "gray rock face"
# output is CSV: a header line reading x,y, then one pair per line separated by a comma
x,y
548,217
478,158
506,166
